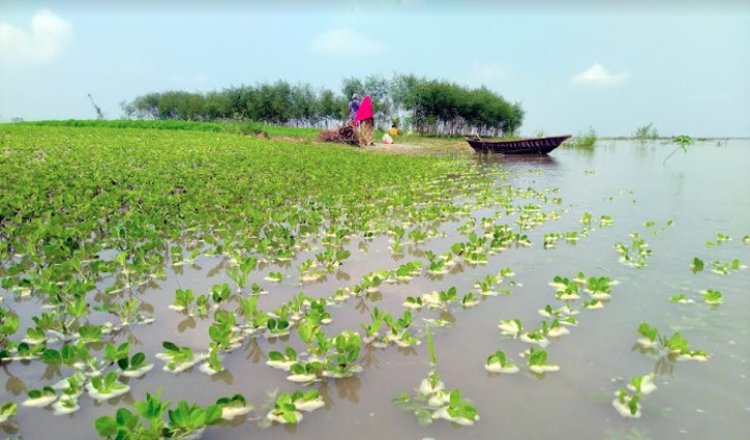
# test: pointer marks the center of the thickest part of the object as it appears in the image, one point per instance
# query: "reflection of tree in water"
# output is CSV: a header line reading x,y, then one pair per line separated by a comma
x,y
10,427
369,358
457,268
51,371
631,434
325,394
665,364
254,352
348,388
407,351
187,323
150,284
224,376
342,276
13,384
447,317
435,276
364,246
216,269
362,306
127,332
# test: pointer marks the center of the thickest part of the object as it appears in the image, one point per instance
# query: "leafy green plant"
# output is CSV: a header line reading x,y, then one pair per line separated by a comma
x,y
682,142
7,410
646,133
498,363
711,296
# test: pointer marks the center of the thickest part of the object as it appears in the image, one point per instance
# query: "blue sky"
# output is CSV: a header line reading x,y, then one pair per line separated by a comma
x,y
685,66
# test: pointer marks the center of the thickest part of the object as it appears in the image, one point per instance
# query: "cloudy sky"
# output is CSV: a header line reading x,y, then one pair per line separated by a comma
x,y
685,66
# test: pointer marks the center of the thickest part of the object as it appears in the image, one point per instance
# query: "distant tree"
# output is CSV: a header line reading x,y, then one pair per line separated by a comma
x,y
97,109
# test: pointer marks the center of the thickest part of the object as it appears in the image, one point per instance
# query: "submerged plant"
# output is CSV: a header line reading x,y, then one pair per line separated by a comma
x,y
627,404
431,401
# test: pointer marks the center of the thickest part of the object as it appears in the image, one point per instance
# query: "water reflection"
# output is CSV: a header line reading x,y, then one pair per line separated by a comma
x,y
369,359
13,384
348,388
185,324
223,376
254,352
543,161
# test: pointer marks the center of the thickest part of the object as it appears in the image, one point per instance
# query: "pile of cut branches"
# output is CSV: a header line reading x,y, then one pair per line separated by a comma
x,y
344,134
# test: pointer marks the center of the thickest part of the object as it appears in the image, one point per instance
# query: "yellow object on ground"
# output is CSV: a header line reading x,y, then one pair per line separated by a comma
x,y
393,131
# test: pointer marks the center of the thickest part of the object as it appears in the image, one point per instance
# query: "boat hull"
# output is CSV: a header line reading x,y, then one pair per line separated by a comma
x,y
537,146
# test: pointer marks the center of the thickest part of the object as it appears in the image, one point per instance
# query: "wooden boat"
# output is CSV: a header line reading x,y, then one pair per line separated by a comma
x,y
542,145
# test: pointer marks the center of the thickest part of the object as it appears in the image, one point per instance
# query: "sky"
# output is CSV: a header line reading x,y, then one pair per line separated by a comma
x,y
613,66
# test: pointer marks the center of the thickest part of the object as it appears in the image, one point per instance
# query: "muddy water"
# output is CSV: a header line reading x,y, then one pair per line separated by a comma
x,y
703,192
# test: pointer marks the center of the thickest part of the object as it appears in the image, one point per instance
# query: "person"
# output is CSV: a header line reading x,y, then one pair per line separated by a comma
x,y
394,130
353,107
366,122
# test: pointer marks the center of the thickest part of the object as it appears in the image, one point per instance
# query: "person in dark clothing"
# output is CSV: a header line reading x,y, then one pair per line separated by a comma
x,y
353,107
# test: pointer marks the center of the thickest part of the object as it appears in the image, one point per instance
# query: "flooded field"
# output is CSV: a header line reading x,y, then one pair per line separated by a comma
x,y
616,212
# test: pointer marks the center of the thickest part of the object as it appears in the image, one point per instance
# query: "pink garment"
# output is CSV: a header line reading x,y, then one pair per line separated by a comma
x,y
365,110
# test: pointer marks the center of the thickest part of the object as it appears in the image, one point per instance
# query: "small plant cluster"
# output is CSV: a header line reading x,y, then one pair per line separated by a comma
x,y
636,254
186,420
556,323
98,377
432,401
672,347
627,400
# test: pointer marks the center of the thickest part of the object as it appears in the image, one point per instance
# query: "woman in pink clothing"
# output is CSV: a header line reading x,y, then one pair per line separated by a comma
x,y
365,121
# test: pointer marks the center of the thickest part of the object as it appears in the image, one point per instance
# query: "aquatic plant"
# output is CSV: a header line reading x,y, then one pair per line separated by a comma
x,y
431,401
682,142
627,405
649,335
342,362
697,265
537,361
646,133
7,410
287,407
642,385
636,254
106,387
184,421
498,363
725,268
681,298
136,366
711,296
177,358
510,327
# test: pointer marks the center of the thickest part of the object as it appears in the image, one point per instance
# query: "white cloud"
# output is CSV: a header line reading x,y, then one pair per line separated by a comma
x,y
345,43
44,42
598,75
484,74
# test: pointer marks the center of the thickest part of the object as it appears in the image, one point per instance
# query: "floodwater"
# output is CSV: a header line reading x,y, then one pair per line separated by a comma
x,y
703,192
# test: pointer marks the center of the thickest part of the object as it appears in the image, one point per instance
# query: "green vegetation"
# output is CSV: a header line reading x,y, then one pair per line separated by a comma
x,y
585,141
646,133
682,142
435,107
96,220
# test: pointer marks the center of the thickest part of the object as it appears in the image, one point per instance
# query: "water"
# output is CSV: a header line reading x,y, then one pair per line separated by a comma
x,y
704,192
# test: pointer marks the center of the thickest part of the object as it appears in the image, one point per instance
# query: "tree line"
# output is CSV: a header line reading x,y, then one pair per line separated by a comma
x,y
427,106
